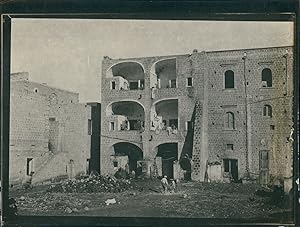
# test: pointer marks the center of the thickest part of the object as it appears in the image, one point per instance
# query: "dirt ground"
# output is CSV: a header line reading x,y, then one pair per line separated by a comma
x,y
192,200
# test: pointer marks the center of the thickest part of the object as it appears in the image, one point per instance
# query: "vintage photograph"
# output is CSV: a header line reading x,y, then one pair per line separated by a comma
x,y
152,118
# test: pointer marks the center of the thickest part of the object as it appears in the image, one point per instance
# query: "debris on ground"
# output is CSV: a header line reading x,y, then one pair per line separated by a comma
x,y
92,184
110,201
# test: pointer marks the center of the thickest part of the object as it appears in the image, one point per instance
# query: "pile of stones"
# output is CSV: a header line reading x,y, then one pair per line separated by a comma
x,y
92,184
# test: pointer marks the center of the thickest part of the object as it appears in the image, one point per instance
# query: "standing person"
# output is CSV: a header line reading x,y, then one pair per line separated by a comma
x,y
164,183
172,186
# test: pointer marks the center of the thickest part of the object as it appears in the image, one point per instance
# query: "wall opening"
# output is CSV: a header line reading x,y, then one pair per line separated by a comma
x,y
229,120
168,153
163,74
231,169
164,115
229,79
133,152
267,111
126,115
29,166
266,77
127,76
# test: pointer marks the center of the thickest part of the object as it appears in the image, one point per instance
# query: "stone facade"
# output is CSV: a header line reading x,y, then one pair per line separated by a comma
x,y
48,131
232,111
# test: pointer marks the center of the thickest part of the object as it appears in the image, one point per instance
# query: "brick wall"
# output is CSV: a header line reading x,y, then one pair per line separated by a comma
x,y
252,131
46,124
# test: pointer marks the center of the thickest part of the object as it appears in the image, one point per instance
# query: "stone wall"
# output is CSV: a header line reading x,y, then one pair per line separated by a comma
x,y
48,125
251,133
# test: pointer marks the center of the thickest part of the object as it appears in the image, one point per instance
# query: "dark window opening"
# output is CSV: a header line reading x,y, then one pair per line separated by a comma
x,y
52,119
112,126
266,77
226,165
272,127
229,147
189,81
29,166
113,85
133,85
229,79
229,120
115,164
189,125
134,125
173,123
267,111
231,167
172,83
89,127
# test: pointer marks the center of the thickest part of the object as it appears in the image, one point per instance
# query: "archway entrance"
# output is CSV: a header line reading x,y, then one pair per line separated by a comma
x,y
168,153
133,152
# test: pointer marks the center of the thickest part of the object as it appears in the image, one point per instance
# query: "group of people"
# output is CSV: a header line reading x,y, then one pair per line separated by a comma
x,y
171,187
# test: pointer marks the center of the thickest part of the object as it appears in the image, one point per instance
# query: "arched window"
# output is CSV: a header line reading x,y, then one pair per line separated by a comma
x,y
229,79
229,120
267,111
266,78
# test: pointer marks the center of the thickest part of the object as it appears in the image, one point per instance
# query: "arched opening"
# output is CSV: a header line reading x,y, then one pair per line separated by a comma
x,y
126,76
164,115
267,111
126,115
126,156
229,79
229,120
169,154
163,74
266,77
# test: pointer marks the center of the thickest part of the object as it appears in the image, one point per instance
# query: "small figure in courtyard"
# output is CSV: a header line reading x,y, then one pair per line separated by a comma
x,y
169,130
27,182
133,174
174,129
164,183
172,186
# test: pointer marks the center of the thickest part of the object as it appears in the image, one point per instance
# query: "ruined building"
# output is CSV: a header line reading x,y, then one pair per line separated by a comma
x,y
51,133
208,116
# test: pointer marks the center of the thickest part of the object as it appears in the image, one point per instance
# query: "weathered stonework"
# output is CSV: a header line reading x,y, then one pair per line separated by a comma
x,y
253,134
49,126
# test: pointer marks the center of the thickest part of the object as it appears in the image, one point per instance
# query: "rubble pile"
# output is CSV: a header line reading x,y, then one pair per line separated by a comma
x,y
92,184
48,201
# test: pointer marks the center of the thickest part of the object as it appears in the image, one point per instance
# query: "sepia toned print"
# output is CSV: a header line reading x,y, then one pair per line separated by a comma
x,y
149,131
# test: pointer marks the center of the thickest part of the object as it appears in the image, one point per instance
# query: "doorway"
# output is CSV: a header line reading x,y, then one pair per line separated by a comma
x,y
231,167
168,153
263,167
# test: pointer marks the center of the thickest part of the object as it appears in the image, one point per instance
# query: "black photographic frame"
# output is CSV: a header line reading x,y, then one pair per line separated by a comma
x,y
258,10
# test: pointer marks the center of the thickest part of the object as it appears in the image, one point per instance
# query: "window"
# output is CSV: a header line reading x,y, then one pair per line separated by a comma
x,y
229,120
229,147
173,122
134,125
89,127
113,85
188,125
112,126
52,119
29,166
266,78
226,165
133,85
267,111
189,82
172,83
272,127
115,163
36,90
229,79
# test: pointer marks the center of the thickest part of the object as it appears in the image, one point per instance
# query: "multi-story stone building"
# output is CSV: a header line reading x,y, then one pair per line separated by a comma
x,y
51,133
207,115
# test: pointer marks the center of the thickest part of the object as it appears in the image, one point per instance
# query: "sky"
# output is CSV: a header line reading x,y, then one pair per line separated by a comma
x,y
67,54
